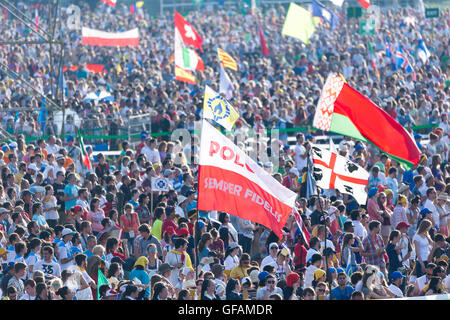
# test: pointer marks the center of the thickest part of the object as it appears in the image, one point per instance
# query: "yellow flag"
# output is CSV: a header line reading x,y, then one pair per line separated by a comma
x,y
139,4
217,108
299,23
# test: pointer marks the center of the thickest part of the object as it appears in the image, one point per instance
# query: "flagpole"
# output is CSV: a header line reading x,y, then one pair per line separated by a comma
x,y
326,234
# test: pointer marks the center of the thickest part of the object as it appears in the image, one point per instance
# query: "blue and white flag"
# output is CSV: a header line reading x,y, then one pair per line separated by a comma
x,y
401,60
422,51
319,10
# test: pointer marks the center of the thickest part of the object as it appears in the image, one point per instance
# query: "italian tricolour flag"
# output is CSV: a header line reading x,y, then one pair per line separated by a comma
x,y
343,110
186,58
84,153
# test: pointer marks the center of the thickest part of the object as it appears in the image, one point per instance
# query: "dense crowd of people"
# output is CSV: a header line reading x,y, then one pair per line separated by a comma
x,y
69,232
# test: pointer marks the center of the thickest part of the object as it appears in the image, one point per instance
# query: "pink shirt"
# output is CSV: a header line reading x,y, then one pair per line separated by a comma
x,y
96,219
372,208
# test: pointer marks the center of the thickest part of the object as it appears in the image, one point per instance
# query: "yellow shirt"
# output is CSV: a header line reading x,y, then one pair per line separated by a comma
x,y
238,273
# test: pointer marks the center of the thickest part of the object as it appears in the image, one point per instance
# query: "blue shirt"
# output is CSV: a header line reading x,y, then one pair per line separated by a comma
x,y
70,191
339,294
143,277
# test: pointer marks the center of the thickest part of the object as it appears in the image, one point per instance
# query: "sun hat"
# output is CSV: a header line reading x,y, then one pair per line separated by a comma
x,y
141,261
443,196
67,231
164,267
181,199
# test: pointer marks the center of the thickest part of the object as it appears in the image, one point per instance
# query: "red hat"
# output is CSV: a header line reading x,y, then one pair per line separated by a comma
x,y
402,225
258,117
182,232
292,278
381,188
170,230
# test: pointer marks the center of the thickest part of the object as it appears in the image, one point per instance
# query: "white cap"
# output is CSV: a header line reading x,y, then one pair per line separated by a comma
x,y
32,166
294,171
181,199
67,231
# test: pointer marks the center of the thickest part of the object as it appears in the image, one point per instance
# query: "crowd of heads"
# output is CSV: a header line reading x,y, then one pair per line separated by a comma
x,y
73,232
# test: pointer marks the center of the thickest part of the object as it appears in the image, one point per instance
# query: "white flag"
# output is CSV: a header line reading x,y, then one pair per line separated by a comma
x,y
226,86
160,184
332,171
337,2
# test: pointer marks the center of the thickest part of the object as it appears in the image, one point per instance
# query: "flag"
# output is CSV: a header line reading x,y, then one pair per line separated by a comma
x,y
264,49
388,48
184,76
401,60
43,114
5,14
226,86
230,181
301,226
139,4
112,3
187,32
373,59
298,23
334,223
332,171
160,184
185,58
101,280
217,108
133,8
367,27
85,157
364,3
319,10
422,51
337,2
36,19
96,68
343,110
227,60
110,39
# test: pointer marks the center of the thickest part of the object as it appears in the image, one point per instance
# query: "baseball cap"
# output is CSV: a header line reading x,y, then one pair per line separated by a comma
x,y
402,225
182,232
69,138
59,157
67,231
32,166
397,275
424,211
262,275
26,192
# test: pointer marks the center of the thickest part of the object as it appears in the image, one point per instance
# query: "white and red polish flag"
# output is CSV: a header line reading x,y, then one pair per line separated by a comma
x,y
232,182
332,171
110,39
112,3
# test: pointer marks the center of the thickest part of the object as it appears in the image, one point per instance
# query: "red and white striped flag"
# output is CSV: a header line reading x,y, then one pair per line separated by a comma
x,y
36,19
230,181
112,3
110,39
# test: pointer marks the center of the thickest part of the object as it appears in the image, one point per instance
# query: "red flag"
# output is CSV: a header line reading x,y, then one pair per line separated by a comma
x,y
264,49
301,225
187,32
96,68
133,8
364,3
112,3
230,181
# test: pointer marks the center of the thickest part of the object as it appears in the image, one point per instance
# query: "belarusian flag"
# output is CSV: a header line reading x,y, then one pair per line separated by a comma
x,y
84,154
343,110
185,58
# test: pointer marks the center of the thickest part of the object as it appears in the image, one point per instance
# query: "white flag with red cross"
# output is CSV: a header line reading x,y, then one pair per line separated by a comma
x,y
332,171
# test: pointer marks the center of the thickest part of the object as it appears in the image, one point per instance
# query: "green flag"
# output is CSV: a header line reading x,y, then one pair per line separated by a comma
x,y
299,23
367,27
101,279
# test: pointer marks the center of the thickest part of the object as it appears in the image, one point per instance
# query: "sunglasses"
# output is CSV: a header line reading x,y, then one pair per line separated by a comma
x,y
271,282
151,250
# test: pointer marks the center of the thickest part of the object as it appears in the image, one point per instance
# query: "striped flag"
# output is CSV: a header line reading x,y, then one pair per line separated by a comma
x,y
36,19
301,226
186,58
84,153
110,39
184,76
112,3
227,60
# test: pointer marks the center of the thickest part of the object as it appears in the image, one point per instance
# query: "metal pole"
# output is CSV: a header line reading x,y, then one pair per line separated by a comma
x,y
325,246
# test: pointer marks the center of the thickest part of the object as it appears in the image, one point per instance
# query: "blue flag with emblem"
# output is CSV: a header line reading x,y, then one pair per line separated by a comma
x,y
217,108
319,10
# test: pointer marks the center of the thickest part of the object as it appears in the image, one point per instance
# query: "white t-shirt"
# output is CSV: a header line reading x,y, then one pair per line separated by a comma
x,y
26,296
300,163
424,246
268,261
51,203
360,231
310,253
309,275
231,262
64,252
48,268
447,282
421,282
52,149
329,245
396,290
30,261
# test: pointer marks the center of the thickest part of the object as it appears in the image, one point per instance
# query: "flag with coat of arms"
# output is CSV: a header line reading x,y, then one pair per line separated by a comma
x,y
217,108
160,184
